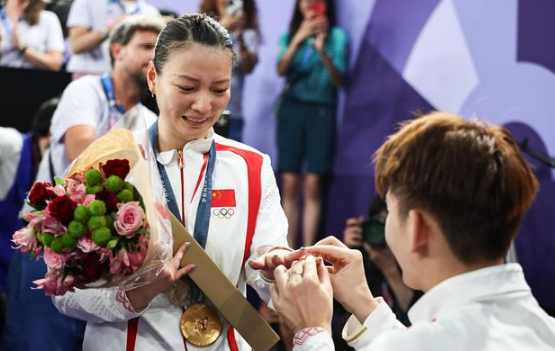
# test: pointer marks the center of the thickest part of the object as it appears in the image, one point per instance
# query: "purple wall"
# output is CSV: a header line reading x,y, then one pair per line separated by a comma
x,y
494,59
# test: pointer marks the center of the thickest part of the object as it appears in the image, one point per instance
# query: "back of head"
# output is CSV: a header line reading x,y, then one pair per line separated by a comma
x,y
189,30
469,175
43,117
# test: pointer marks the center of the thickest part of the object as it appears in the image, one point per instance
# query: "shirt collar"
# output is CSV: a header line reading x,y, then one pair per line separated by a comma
x,y
480,285
201,146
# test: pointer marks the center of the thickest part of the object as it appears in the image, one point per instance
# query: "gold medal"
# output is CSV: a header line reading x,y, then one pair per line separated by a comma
x,y
200,325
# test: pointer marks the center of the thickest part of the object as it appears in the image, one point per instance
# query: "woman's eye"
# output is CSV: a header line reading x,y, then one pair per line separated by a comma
x,y
220,91
186,89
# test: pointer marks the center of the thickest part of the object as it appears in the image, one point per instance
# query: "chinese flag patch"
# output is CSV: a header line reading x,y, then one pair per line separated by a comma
x,y
223,198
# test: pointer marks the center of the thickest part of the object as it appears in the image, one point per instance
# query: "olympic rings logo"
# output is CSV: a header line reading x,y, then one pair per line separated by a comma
x,y
222,213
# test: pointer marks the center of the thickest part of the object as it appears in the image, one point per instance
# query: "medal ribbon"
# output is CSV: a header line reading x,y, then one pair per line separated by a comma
x,y
202,222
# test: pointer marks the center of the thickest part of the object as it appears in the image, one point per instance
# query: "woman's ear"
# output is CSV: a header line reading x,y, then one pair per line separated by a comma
x,y
151,77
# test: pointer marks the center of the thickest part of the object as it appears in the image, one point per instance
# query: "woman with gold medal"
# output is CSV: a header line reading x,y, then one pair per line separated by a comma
x,y
223,191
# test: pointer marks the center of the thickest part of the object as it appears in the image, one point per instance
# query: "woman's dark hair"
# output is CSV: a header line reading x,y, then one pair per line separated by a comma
x,y
41,121
250,13
190,29
298,18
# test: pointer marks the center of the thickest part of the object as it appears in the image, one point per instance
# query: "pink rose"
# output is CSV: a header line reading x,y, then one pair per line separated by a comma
x,y
53,260
25,239
129,218
86,244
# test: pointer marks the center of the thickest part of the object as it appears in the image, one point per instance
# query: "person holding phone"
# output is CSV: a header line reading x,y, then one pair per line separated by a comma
x,y
239,17
313,59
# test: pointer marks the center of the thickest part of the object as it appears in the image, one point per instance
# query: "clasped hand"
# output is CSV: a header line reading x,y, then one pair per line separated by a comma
x,y
304,289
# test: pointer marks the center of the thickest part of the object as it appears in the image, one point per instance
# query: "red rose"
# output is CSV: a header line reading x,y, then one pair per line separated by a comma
x,y
91,267
62,209
39,194
116,167
110,200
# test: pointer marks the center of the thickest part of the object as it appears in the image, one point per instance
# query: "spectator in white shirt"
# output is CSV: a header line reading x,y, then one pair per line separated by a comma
x,y
456,192
90,23
30,37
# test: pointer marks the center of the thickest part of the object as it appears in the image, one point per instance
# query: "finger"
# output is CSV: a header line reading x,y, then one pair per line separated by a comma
x,y
176,262
275,261
183,271
323,274
258,263
353,221
294,256
330,253
281,277
274,293
331,240
310,271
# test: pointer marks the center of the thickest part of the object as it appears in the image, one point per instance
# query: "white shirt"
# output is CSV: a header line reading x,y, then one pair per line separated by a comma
x,y
83,103
158,326
97,15
488,309
45,35
11,144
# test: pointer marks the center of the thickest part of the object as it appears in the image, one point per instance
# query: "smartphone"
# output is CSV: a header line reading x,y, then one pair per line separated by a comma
x,y
234,8
319,8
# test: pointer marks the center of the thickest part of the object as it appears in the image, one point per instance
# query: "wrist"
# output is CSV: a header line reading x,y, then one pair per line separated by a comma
x,y
23,49
361,303
104,33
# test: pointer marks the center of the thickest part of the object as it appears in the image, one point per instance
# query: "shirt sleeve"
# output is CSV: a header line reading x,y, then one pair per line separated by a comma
x,y
271,227
339,50
96,305
283,45
382,319
79,15
313,341
80,105
55,37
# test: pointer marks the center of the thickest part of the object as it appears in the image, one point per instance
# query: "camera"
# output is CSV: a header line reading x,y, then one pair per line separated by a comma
x,y
373,231
235,8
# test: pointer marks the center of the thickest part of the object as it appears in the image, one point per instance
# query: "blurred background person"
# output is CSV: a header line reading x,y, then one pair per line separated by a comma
x,y
313,59
239,17
90,23
88,108
383,274
20,156
30,37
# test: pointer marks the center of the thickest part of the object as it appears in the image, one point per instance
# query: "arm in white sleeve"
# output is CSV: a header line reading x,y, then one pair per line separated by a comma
x,y
271,227
359,336
96,305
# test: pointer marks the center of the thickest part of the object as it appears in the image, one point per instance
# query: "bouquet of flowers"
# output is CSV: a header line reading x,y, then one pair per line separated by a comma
x,y
106,224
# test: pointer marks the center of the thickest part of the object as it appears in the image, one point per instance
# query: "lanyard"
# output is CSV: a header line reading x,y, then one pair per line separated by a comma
x,y
138,9
115,109
202,222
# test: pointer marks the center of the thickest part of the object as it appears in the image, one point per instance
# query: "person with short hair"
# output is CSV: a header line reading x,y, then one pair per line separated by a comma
x,y
90,23
456,192
88,108
234,213
30,37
